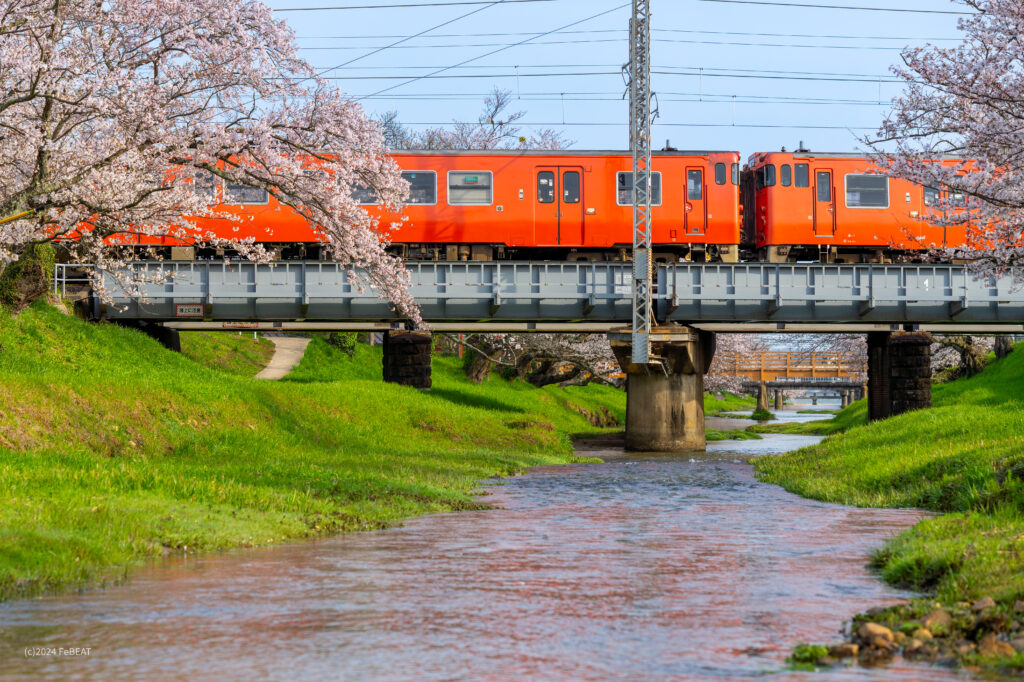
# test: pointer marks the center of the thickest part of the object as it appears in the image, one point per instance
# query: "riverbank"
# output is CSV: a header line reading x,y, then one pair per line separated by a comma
x,y
114,450
963,458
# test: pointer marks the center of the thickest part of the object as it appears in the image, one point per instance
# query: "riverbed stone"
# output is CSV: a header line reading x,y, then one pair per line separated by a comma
x,y
1017,643
869,632
989,646
899,638
922,633
983,604
844,650
938,621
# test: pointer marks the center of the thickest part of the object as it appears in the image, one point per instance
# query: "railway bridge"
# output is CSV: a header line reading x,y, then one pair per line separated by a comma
x,y
895,305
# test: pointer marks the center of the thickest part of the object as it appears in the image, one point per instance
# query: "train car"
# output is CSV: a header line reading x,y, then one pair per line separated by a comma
x,y
506,205
838,208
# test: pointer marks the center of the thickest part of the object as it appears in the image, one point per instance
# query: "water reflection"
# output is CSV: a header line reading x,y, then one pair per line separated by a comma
x,y
640,568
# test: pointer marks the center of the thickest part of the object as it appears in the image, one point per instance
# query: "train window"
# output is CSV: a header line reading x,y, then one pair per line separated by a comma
x,y
803,175
931,196
766,176
824,184
205,185
720,174
422,186
571,187
546,187
694,185
469,188
735,174
787,175
365,196
957,198
238,193
867,191
624,182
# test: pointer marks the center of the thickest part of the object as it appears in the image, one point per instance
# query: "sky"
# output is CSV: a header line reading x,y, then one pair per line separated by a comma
x,y
728,75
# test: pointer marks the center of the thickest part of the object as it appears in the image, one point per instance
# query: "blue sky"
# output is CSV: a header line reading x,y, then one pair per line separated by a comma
x,y
835,83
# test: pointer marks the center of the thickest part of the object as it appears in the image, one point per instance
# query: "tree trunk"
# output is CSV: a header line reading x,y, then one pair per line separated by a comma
x,y
478,364
28,278
1004,346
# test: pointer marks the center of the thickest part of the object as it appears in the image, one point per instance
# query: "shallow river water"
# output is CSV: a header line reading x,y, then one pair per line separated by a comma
x,y
641,568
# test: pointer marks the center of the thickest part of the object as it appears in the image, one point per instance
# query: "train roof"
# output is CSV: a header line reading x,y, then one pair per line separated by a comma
x,y
554,152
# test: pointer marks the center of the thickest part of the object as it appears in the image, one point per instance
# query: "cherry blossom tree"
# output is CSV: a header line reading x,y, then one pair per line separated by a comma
x,y
964,104
113,113
495,128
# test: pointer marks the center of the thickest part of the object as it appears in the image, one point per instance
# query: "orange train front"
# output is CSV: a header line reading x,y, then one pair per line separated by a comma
x,y
838,208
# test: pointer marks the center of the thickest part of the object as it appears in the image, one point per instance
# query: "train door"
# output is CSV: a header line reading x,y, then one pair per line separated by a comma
x,y
824,204
695,215
570,220
558,219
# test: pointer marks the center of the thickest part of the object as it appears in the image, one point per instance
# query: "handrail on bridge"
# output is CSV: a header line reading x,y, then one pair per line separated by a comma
x,y
771,365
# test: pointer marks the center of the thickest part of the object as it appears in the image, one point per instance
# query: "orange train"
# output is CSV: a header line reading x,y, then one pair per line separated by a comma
x,y
576,206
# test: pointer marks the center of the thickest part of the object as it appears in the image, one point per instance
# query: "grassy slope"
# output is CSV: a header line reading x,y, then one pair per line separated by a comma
x,y
729,403
234,353
964,456
113,449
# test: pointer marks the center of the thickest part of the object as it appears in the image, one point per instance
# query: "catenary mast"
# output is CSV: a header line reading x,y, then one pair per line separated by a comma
x,y
640,114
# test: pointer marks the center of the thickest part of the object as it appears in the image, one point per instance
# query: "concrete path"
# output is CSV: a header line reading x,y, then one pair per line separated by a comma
x,y
288,352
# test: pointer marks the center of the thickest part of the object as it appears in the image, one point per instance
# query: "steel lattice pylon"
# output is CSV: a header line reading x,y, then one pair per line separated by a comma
x,y
640,114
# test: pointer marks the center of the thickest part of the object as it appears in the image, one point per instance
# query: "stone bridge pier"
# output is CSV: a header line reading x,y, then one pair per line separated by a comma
x,y
899,373
665,399
407,358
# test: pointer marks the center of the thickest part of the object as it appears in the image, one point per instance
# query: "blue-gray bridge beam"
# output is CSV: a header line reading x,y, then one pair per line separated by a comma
x,y
587,295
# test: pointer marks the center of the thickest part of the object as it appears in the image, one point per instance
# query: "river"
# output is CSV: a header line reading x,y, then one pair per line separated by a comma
x,y
641,568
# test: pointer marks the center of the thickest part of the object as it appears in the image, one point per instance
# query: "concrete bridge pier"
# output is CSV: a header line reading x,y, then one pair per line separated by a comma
x,y
407,358
845,398
779,399
665,399
762,397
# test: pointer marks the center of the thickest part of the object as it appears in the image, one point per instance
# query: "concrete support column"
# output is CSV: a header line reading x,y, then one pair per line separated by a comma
x,y
665,400
910,382
779,399
879,401
845,397
762,397
407,358
814,399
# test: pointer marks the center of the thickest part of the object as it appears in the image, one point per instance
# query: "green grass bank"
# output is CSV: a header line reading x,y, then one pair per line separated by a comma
x,y
114,451
963,458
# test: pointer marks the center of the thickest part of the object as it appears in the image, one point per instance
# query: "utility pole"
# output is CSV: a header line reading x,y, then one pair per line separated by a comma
x,y
640,142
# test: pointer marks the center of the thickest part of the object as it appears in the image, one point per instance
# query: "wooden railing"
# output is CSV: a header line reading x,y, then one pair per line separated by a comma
x,y
772,365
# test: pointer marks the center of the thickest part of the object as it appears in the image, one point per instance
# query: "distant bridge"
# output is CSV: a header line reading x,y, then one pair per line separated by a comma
x,y
791,369
559,296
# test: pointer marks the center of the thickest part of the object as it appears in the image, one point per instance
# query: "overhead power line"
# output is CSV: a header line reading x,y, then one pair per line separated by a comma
x,y
500,49
852,7
407,4
618,124
397,43
334,48
619,30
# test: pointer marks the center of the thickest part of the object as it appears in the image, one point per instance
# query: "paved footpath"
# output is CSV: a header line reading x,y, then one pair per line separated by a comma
x,y
288,352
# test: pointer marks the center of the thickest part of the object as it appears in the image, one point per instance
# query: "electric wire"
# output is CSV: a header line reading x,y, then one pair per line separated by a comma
x,y
487,54
403,5
847,7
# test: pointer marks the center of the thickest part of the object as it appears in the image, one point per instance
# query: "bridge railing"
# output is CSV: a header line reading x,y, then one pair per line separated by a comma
x,y
784,364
